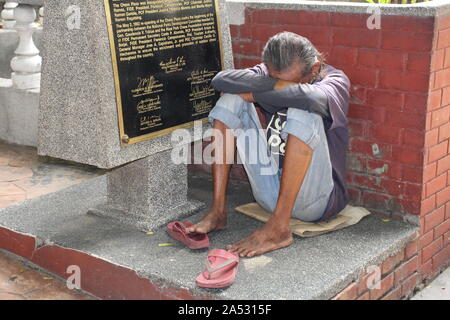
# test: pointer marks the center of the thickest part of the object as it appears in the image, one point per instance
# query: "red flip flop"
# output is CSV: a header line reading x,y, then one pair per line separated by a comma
x,y
221,269
177,230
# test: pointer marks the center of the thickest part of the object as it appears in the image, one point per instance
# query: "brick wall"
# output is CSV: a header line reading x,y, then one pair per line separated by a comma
x,y
399,153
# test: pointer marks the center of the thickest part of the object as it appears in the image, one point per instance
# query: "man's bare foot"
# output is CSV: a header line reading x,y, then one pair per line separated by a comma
x,y
212,221
268,238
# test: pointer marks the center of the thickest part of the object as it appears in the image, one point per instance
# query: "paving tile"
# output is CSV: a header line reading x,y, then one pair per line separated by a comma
x,y
9,188
9,200
14,173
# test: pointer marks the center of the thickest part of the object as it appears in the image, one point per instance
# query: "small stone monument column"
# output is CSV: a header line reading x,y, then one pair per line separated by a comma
x,y
79,118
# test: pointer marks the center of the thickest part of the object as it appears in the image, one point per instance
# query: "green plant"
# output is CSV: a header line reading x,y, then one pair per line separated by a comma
x,y
396,1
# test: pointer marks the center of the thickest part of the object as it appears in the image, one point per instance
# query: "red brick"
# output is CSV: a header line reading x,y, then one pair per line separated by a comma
x,y
416,103
440,116
434,99
393,79
420,62
349,20
394,40
348,293
251,48
395,188
441,259
411,249
392,60
438,151
431,137
443,39
318,35
413,138
358,112
406,120
447,208
245,31
436,184
384,133
409,206
442,228
357,128
367,57
385,98
437,60
390,263
234,31
444,132
367,181
447,58
264,16
426,239
359,38
412,174
413,191
429,172
410,284
443,22
407,156
426,268
303,18
441,79
249,62
408,23
358,94
375,200
442,197
363,76
446,96
386,284
394,294
365,296
343,56
433,248
377,114
428,204
443,165
354,195
358,145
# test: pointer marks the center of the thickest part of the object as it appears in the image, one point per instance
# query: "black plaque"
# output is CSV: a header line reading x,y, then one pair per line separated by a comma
x,y
164,53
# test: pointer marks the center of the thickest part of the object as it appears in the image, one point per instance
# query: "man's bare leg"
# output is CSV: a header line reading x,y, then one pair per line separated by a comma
x,y
276,233
223,153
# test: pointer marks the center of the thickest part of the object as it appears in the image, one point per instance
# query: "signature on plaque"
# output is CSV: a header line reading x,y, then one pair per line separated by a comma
x,y
147,86
149,104
173,65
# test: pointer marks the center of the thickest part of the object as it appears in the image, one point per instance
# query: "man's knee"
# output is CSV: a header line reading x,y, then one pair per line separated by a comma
x,y
232,103
304,125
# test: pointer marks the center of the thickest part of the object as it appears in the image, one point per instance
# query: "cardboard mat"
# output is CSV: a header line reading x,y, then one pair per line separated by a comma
x,y
347,217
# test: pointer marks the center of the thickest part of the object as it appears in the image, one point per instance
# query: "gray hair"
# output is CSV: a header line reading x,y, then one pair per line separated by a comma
x,y
285,48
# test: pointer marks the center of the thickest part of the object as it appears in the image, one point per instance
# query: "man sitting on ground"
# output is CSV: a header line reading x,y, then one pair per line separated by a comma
x,y
300,171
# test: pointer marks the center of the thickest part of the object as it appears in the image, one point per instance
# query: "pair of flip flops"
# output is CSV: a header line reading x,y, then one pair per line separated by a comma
x,y
221,266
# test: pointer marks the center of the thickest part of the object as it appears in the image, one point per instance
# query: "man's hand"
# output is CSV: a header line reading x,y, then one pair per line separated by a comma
x,y
247,96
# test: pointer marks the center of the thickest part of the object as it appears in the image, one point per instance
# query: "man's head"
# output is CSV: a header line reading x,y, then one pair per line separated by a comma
x,y
291,57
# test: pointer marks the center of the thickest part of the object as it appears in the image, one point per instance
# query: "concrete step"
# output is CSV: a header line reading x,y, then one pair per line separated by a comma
x,y
120,262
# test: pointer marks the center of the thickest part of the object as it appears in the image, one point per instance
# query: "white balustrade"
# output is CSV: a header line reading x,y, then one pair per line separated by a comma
x,y
26,65
8,14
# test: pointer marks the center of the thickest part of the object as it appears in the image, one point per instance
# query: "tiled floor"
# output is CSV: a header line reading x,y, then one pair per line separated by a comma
x,y
24,175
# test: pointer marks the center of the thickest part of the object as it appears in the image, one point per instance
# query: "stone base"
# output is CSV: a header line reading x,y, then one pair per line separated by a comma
x,y
148,193
149,222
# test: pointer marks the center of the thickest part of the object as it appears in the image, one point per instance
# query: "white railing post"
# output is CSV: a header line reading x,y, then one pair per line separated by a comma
x,y
26,65
41,16
8,14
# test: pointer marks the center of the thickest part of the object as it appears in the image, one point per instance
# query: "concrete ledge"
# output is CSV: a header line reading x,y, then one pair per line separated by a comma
x,y
424,9
53,231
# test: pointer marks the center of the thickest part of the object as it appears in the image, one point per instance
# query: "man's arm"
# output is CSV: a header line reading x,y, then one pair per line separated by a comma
x,y
242,81
286,94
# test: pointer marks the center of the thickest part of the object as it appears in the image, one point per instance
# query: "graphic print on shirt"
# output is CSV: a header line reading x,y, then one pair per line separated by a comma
x,y
275,142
